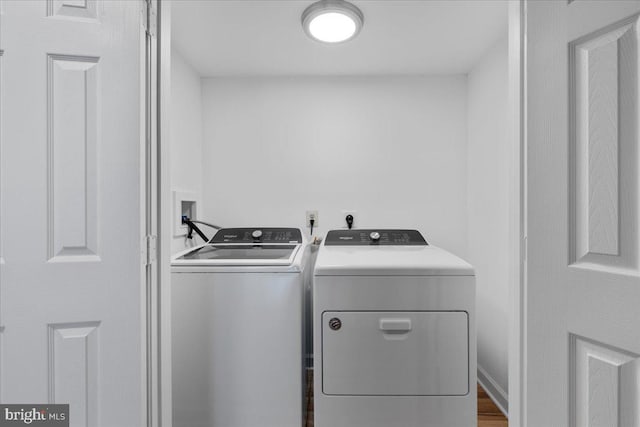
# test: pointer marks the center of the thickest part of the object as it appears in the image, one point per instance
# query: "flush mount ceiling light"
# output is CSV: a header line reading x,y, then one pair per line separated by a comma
x,y
332,21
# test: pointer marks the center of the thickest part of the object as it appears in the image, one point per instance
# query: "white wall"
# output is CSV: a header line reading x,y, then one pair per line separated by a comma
x,y
488,191
424,152
391,148
186,133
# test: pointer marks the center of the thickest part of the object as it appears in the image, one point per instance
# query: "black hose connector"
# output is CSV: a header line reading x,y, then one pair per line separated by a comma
x,y
191,227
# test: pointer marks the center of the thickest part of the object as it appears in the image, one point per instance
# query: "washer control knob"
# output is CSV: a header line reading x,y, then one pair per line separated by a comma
x,y
375,236
256,234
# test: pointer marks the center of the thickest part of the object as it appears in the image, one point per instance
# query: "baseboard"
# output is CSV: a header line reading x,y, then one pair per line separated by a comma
x,y
495,392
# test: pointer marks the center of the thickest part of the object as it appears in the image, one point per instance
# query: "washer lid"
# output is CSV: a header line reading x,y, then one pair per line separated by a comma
x,y
245,247
388,260
241,255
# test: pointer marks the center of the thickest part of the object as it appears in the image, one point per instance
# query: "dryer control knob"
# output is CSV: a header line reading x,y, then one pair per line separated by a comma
x,y
375,236
256,234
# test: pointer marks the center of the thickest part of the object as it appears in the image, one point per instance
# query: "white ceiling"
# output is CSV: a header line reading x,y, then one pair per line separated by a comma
x,y
264,37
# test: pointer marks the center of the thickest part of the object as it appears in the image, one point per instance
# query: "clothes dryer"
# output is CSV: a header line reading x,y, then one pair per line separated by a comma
x,y
394,332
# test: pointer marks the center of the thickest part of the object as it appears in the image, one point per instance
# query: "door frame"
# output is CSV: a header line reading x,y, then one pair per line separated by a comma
x,y
156,168
517,216
160,378
162,330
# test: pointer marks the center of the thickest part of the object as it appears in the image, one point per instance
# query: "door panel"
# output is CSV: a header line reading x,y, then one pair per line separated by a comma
x,y
72,143
71,286
603,106
76,10
603,384
73,374
583,278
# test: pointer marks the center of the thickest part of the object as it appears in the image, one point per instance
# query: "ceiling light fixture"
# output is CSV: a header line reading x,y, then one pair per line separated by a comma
x,y
332,21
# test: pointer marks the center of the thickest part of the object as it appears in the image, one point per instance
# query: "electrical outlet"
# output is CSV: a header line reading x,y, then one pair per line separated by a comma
x,y
312,215
354,214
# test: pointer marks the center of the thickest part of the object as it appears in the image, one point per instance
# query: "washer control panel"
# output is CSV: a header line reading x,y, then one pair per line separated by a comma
x,y
258,235
373,237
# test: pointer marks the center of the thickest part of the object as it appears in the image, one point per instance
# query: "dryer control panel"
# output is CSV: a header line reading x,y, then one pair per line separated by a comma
x,y
258,235
373,237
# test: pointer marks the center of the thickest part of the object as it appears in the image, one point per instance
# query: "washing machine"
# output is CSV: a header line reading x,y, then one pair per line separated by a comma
x,y
237,335
394,332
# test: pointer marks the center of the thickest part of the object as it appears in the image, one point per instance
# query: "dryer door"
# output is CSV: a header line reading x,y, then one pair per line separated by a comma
x,y
378,353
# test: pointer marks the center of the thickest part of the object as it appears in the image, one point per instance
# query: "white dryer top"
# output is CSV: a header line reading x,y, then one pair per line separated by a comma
x,y
389,261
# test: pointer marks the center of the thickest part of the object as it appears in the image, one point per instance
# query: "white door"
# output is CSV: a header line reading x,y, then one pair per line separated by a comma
x,y
582,310
71,285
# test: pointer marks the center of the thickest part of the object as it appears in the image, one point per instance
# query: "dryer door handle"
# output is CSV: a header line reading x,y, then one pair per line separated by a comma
x,y
396,325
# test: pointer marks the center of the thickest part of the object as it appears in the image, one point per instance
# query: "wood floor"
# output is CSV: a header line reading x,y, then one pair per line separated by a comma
x,y
488,413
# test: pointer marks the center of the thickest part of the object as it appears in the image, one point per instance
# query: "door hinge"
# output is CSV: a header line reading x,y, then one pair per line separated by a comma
x,y
151,250
149,17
